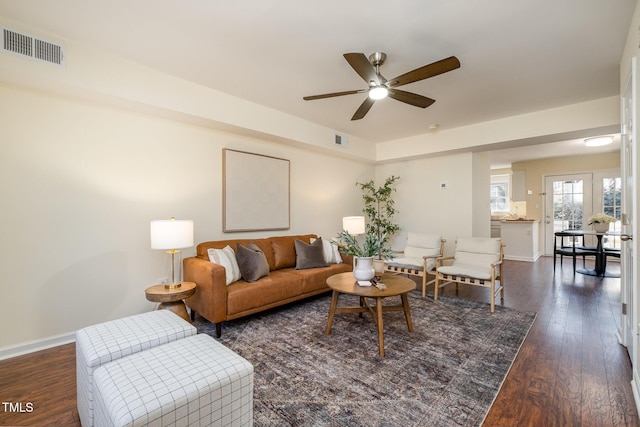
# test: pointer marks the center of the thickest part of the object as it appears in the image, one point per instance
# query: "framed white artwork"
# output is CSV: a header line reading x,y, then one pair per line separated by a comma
x,y
255,192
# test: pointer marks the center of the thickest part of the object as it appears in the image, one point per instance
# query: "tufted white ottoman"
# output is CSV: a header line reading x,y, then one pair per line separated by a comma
x,y
104,342
195,381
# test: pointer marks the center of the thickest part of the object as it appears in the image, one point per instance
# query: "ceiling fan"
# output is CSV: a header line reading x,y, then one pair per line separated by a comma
x,y
379,87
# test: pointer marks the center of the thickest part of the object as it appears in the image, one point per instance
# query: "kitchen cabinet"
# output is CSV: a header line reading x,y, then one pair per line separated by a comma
x,y
521,237
518,190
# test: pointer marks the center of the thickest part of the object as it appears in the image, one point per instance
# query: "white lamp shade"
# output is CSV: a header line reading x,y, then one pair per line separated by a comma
x,y
353,224
171,234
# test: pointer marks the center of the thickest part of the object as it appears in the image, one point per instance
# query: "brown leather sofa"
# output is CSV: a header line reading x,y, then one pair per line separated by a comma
x,y
217,302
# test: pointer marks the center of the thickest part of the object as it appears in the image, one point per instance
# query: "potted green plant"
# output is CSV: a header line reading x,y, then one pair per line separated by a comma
x,y
379,209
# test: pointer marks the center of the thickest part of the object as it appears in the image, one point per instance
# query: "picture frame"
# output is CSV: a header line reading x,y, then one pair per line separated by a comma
x,y
255,192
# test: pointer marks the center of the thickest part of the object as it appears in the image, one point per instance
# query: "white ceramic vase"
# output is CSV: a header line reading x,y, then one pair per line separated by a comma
x,y
363,268
601,227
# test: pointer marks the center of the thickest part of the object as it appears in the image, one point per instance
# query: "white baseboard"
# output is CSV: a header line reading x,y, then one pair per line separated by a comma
x,y
33,346
533,258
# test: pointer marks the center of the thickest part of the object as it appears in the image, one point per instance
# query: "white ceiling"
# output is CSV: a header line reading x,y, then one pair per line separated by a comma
x,y
517,56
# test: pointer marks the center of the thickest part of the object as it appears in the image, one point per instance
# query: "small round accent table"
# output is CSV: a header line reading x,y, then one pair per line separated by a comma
x,y
172,298
396,285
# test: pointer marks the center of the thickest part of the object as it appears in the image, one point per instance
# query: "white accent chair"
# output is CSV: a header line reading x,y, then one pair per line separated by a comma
x,y
419,257
477,261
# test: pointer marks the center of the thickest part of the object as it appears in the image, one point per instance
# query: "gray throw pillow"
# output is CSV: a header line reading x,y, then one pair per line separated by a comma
x,y
309,256
251,262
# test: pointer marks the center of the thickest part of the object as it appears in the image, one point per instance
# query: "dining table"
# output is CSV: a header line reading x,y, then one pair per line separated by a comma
x,y
600,258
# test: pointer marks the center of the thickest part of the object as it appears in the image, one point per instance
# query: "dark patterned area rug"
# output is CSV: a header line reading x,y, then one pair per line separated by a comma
x,y
445,373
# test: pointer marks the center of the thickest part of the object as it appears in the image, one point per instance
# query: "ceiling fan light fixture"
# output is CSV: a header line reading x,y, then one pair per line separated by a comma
x,y
598,141
378,92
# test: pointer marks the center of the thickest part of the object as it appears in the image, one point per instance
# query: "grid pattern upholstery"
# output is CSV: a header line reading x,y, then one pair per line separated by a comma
x,y
195,381
108,341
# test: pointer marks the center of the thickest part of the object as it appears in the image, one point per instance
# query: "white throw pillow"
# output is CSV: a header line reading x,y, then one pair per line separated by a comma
x,y
226,258
336,252
330,251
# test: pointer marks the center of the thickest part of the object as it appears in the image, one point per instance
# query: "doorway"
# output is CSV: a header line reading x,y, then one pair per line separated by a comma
x,y
568,204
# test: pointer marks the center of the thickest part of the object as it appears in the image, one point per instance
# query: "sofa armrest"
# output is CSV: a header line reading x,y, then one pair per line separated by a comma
x,y
210,298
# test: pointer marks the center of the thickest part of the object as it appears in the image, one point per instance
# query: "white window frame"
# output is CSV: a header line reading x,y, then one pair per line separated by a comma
x,y
501,179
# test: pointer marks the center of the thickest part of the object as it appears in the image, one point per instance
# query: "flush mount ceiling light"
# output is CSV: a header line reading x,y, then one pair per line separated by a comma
x,y
378,92
598,141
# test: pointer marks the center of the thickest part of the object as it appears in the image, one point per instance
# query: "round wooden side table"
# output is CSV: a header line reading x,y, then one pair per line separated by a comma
x,y
172,298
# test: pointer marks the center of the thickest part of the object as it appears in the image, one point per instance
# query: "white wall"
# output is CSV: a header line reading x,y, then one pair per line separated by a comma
x,y
422,204
80,183
481,193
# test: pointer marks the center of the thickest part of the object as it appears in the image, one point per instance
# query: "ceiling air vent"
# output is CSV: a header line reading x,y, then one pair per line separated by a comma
x,y
33,47
340,140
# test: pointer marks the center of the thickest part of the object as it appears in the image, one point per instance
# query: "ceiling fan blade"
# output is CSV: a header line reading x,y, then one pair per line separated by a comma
x,y
410,98
363,67
331,95
363,109
433,69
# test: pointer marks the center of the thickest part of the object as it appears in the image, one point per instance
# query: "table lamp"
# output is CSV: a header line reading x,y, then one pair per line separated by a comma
x,y
354,225
171,235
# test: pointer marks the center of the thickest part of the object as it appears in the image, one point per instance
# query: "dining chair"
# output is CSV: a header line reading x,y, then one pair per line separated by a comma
x,y
571,248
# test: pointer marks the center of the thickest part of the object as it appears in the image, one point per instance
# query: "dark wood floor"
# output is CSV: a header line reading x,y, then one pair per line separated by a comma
x,y
570,371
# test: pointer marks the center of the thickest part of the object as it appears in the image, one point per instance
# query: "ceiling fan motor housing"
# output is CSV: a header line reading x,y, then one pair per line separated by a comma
x,y
377,58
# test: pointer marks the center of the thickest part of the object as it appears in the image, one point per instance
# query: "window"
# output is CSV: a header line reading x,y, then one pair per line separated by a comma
x,y
499,193
612,205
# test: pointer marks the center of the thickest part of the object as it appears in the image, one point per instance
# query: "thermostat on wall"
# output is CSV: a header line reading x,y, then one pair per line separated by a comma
x,y
444,185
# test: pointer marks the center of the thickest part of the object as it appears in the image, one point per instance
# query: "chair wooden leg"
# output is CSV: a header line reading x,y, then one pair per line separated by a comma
x,y
493,296
424,285
435,289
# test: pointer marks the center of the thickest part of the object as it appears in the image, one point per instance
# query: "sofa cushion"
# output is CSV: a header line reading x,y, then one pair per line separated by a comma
x,y
226,257
315,279
268,291
264,244
284,251
252,262
309,255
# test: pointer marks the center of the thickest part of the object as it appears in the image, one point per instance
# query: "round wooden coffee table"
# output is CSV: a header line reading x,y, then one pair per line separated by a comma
x,y
345,283
172,298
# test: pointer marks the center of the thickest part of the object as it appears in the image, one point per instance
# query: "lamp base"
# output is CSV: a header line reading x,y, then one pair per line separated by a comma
x,y
172,285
